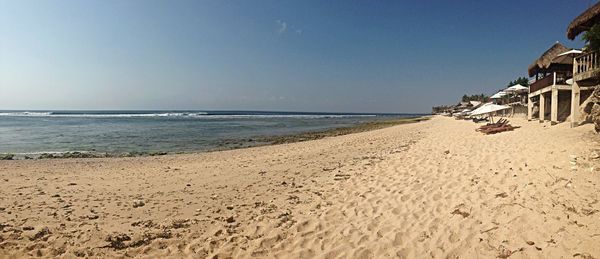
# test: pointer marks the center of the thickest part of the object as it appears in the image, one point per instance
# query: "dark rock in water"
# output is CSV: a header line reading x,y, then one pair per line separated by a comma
x,y
7,156
70,155
79,155
133,154
46,156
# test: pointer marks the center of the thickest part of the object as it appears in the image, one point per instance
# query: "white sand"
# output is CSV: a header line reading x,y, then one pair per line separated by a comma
x,y
432,189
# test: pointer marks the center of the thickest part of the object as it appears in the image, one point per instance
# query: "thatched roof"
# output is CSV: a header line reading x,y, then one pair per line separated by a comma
x,y
545,60
584,21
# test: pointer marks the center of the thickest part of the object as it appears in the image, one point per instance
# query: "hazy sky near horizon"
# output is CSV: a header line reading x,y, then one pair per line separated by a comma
x,y
309,55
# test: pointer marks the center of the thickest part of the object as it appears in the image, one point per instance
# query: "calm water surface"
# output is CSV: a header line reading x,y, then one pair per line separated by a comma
x,y
151,131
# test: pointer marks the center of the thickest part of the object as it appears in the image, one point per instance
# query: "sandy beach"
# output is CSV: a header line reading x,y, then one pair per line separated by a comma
x,y
435,189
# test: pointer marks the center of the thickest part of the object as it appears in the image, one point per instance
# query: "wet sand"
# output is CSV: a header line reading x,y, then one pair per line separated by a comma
x,y
435,189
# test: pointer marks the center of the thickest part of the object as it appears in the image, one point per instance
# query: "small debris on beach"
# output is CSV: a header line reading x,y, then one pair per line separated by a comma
x,y
460,210
138,203
92,217
502,195
339,177
595,154
584,255
40,234
116,241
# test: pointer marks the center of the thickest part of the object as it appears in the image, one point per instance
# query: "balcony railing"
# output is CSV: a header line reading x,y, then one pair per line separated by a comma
x,y
586,66
556,78
541,83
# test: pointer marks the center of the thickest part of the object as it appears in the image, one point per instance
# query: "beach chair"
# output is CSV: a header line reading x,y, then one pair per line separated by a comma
x,y
499,129
499,123
479,119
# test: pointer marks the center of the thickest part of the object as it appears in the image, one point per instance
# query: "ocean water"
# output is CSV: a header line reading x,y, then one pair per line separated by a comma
x,y
31,132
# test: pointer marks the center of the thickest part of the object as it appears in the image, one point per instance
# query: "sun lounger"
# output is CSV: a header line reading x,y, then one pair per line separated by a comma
x,y
500,123
478,119
499,129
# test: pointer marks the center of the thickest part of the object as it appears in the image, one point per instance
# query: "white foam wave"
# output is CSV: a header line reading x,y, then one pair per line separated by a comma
x,y
198,115
25,113
268,116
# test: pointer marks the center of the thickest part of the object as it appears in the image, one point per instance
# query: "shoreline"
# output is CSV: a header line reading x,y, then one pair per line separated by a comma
x,y
227,144
436,188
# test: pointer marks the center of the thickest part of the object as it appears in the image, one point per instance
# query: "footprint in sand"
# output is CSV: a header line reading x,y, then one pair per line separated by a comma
x,y
453,238
437,196
404,253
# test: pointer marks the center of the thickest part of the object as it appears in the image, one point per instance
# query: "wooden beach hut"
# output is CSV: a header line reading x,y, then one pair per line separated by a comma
x,y
550,94
586,66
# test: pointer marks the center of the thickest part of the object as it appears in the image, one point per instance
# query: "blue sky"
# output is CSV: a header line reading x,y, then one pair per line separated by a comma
x,y
336,56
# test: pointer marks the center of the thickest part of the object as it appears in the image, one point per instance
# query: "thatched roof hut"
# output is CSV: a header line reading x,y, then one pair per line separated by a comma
x,y
584,21
544,62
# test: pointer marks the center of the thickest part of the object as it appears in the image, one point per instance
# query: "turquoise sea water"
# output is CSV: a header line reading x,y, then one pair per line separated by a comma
x,y
30,132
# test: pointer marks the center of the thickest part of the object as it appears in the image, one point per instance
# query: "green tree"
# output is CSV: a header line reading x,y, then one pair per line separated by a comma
x,y
520,80
475,97
592,38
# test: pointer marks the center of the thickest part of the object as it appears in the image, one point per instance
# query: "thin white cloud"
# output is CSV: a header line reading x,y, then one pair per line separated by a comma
x,y
282,26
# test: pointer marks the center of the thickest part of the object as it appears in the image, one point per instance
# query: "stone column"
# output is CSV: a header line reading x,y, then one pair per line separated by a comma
x,y
542,107
529,108
554,106
575,97
575,104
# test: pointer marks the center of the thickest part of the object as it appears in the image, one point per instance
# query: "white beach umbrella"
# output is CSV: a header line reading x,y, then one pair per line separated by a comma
x,y
571,52
569,81
516,89
475,103
498,95
566,57
488,108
